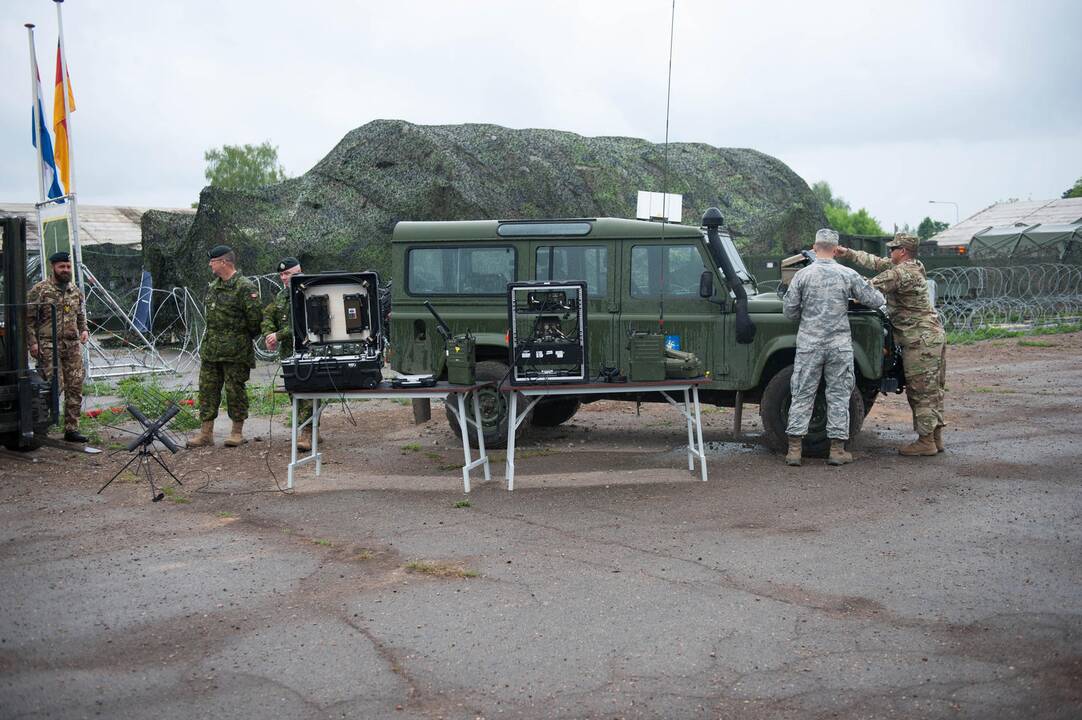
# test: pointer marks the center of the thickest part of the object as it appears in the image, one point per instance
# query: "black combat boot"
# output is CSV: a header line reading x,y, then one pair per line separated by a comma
x,y
75,436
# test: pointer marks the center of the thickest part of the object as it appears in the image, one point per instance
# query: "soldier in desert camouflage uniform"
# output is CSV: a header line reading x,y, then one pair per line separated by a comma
x,y
71,334
278,334
226,354
819,298
918,331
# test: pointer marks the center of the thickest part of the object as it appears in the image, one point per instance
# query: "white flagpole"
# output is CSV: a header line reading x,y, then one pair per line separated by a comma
x,y
76,249
35,82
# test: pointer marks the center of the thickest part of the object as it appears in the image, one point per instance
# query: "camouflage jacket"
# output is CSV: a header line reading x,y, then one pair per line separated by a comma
x,y
233,315
905,286
278,319
819,298
70,312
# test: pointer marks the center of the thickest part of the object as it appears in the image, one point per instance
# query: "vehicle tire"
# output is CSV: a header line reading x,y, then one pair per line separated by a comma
x,y
11,442
494,407
868,395
774,413
551,412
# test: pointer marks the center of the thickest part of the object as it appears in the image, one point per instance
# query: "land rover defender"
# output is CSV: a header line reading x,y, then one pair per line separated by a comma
x,y
689,282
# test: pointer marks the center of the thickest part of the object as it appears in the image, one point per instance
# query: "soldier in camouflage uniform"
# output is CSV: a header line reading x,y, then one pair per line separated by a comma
x,y
71,334
278,334
226,355
919,332
819,298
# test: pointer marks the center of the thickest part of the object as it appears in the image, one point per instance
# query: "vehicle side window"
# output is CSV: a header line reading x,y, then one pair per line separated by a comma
x,y
589,263
460,270
671,270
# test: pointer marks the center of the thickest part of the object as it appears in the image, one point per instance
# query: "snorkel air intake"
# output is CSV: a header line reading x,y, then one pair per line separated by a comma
x,y
745,328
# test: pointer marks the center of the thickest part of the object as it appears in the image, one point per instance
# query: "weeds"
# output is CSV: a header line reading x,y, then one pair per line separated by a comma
x,y
462,504
411,447
324,543
441,569
1036,343
968,337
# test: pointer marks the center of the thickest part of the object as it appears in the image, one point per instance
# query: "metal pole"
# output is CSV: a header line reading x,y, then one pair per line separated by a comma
x,y
36,113
76,248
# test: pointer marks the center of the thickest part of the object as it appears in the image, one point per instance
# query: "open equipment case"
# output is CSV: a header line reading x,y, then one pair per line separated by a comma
x,y
547,340
338,336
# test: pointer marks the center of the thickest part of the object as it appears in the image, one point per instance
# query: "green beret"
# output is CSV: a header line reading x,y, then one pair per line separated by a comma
x,y
60,256
218,250
287,263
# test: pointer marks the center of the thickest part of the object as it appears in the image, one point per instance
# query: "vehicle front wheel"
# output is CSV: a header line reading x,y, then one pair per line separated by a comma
x,y
774,413
493,404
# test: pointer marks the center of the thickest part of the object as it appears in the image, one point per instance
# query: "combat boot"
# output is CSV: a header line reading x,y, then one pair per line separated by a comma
x,y
924,446
205,438
838,453
795,446
236,438
937,434
304,440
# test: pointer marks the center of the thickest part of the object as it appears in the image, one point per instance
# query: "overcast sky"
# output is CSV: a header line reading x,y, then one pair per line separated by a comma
x,y
893,103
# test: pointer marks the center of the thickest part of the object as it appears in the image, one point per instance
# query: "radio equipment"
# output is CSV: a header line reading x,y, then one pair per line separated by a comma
x,y
547,338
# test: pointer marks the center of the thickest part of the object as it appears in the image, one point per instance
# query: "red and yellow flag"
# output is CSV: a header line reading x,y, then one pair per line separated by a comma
x,y
60,124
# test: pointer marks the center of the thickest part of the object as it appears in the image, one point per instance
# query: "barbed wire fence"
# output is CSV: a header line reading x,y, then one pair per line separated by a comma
x,y
1015,296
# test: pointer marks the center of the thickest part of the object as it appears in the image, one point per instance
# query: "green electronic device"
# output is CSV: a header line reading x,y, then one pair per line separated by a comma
x,y
460,352
646,352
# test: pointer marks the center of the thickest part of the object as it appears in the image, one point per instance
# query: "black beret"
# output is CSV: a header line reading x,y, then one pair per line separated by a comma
x,y
287,263
218,250
60,256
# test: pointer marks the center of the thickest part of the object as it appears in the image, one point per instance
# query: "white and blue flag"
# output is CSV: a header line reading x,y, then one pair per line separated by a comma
x,y
39,134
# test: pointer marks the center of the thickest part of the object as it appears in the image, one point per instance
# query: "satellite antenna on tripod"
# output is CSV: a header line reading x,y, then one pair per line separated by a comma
x,y
152,431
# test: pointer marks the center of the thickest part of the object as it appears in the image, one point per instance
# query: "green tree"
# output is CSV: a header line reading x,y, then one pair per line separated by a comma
x,y
841,216
243,167
929,227
1075,190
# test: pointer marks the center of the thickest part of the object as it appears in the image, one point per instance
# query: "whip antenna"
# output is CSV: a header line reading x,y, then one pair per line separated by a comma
x,y
665,176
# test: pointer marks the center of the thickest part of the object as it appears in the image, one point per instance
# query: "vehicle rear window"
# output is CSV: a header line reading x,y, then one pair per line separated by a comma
x,y
669,270
460,270
577,262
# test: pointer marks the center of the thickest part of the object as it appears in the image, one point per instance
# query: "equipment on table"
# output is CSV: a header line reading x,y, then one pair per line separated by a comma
x,y
413,381
681,365
338,337
646,352
547,340
460,351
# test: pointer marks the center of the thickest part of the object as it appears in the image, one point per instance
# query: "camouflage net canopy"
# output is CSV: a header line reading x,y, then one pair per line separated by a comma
x,y
340,214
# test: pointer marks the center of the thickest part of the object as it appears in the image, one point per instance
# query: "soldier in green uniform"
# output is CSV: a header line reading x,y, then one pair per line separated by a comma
x,y
918,331
278,335
226,355
71,335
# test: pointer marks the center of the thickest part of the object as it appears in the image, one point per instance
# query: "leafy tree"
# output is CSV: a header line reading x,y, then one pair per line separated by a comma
x,y
929,227
1074,191
840,215
243,167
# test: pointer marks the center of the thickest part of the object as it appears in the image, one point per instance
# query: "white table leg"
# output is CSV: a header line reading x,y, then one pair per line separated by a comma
x,y
512,429
691,438
465,433
317,409
480,435
699,431
292,447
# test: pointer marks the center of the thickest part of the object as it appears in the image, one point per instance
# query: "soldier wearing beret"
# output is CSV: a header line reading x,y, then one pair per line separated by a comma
x,y
278,335
918,331
226,354
71,333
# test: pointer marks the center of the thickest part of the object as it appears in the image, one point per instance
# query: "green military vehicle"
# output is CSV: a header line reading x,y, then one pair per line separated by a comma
x,y
637,272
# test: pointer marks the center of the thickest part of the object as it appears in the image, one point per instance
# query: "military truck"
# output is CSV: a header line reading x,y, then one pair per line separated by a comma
x,y
640,275
29,404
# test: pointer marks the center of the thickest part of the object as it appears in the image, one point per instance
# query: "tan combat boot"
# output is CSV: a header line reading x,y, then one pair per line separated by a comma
x,y
793,456
838,453
924,446
236,438
205,438
937,434
304,440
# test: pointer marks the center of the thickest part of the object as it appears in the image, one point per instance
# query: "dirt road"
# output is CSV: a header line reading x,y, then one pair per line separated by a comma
x,y
610,584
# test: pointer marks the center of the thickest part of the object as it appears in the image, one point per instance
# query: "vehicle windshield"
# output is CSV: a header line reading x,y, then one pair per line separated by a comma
x,y
729,247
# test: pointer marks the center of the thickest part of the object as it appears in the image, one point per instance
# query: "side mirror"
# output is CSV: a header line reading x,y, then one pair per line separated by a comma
x,y
706,284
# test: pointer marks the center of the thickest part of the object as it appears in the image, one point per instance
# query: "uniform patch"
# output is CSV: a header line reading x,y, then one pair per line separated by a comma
x,y
255,295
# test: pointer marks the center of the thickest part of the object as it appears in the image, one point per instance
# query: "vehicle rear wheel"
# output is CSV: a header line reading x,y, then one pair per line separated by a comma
x,y
774,412
551,412
494,407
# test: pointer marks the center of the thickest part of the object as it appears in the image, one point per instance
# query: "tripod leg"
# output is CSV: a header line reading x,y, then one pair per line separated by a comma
x,y
155,495
158,459
114,477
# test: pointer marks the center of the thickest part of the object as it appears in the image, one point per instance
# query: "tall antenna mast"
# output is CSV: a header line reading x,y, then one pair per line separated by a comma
x,y
665,176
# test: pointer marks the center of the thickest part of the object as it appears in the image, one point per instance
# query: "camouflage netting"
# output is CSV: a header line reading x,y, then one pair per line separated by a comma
x,y
339,215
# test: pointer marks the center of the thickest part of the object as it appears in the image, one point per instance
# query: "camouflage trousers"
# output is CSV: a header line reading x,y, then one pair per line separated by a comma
x,y
834,364
213,377
925,363
71,376
304,409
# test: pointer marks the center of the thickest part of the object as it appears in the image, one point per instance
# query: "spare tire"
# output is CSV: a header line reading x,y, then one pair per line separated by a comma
x,y
774,413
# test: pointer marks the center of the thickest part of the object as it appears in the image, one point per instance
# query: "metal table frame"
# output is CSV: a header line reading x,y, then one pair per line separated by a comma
x,y
689,409
436,392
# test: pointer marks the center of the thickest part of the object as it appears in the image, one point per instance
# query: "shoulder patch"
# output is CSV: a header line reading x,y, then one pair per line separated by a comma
x,y
255,295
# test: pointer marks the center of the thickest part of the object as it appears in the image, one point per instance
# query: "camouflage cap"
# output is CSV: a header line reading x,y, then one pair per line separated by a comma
x,y
287,263
904,240
826,236
218,250
60,256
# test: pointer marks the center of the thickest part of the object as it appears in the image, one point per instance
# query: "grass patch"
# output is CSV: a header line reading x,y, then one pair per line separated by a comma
x,y
411,447
172,496
147,393
324,543
462,504
968,337
262,401
1036,343
225,514
98,387
441,569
